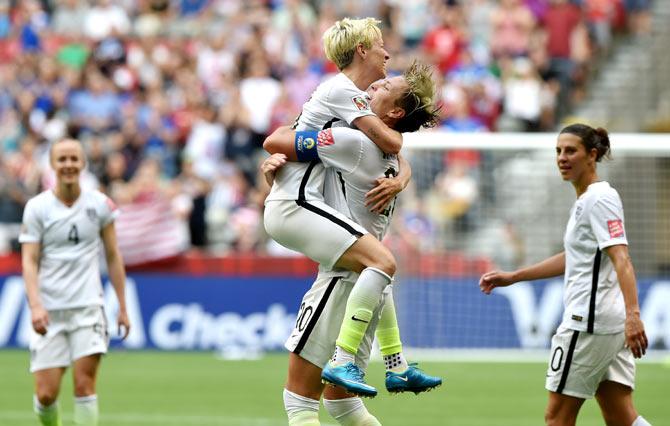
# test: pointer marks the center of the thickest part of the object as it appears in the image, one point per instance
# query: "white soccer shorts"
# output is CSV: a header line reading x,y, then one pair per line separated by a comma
x,y
311,227
320,317
71,334
580,361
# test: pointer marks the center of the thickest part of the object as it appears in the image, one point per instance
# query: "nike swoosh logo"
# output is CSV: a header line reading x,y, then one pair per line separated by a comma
x,y
403,378
353,317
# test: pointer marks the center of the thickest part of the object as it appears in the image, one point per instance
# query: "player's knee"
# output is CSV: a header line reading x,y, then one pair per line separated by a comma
x,y
84,386
46,396
385,262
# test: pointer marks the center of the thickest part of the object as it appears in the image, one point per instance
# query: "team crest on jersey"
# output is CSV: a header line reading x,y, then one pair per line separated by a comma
x,y
325,137
360,102
92,214
615,227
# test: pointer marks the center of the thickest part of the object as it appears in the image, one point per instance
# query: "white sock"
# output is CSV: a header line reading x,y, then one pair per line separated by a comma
x,y
48,415
640,421
86,410
301,411
396,363
342,357
350,412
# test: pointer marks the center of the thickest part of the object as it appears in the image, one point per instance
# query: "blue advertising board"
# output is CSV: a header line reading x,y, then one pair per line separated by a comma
x,y
173,312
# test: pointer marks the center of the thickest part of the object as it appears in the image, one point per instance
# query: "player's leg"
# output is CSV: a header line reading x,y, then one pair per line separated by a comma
x,y
379,266
562,410
49,357
88,340
616,404
400,376
364,298
84,372
45,400
615,392
302,392
311,344
347,409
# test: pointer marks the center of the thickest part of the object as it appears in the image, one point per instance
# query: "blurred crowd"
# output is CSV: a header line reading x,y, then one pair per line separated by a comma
x,y
172,98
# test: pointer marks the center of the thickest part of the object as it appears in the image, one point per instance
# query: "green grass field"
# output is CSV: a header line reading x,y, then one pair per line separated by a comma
x,y
157,388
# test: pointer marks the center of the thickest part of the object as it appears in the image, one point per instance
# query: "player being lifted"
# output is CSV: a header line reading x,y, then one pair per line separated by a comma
x,y
295,204
62,233
353,165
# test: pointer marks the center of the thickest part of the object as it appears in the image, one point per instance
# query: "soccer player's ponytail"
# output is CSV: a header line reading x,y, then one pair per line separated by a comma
x,y
591,139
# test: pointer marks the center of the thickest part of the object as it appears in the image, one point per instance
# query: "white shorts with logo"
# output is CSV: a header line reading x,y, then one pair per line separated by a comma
x,y
580,361
320,317
311,227
71,334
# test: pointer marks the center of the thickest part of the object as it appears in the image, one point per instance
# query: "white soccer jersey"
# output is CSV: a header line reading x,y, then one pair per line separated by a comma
x,y
336,99
592,296
69,270
355,162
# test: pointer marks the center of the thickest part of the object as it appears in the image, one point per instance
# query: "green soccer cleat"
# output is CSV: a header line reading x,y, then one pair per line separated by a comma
x,y
411,380
350,377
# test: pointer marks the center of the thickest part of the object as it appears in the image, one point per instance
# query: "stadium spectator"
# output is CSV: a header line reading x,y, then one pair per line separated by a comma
x,y
601,333
137,81
61,236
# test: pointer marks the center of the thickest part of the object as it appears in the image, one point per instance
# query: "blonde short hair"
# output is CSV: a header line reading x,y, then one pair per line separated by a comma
x,y
418,101
342,38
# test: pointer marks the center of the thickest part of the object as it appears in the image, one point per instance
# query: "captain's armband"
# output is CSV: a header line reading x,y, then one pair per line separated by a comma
x,y
305,145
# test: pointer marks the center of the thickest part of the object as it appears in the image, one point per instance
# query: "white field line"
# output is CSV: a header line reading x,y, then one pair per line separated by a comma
x,y
159,419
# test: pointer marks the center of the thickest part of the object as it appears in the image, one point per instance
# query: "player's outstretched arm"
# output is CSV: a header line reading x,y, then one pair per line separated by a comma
x,y
30,258
282,141
117,276
387,139
547,268
636,338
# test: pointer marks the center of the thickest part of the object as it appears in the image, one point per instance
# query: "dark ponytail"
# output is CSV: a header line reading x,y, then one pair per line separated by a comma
x,y
591,138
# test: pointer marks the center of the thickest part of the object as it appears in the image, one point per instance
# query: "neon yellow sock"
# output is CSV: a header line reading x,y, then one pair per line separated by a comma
x,y
388,332
362,301
49,415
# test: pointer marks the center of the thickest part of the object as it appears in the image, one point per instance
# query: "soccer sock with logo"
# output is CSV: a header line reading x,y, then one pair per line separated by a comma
x,y
301,411
362,301
350,412
388,335
86,410
48,415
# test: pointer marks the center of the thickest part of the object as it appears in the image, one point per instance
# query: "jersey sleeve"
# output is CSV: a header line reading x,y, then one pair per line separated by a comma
x,y
340,148
108,210
31,225
607,221
348,103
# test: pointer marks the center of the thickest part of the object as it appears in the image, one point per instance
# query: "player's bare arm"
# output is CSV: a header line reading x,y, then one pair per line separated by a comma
x,y
550,267
117,276
30,257
281,141
636,338
388,187
387,139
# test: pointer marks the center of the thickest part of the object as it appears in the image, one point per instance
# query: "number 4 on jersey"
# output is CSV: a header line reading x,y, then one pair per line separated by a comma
x,y
73,235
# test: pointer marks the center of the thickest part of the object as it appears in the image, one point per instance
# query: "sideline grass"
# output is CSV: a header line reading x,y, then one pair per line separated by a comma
x,y
159,388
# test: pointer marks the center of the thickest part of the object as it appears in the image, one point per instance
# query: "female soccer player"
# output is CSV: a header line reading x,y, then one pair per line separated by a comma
x,y
601,332
296,215
61,234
